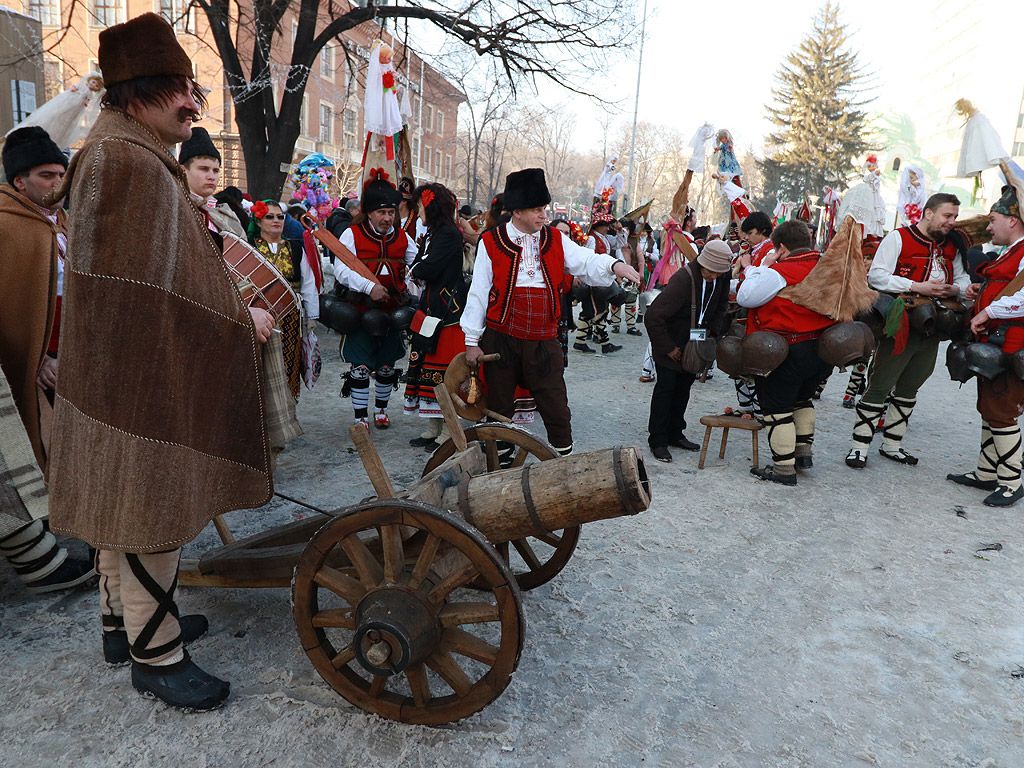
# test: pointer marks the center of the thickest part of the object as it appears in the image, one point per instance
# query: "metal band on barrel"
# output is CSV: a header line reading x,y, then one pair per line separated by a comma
x,y
531,510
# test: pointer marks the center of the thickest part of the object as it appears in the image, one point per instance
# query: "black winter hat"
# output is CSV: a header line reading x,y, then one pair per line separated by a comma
x,y
28,147
198,145
526,189
379,192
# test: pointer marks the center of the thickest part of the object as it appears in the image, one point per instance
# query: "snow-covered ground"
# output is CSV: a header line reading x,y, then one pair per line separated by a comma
x,y
848,621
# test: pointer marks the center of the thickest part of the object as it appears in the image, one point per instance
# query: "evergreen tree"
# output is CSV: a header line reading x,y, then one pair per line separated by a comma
x,y
821,126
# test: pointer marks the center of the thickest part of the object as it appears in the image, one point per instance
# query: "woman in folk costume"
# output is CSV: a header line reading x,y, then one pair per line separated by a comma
x,y
439,338
864,202
300,268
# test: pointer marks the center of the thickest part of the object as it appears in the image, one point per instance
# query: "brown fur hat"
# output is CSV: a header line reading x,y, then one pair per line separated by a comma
x,y
141,47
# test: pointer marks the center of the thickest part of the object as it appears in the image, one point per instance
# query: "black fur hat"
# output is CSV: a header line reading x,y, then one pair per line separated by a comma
x,y
526,189
28,147
198,144
379,192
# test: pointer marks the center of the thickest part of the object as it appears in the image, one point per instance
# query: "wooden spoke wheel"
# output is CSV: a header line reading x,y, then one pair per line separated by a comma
x,y
375,607
536,560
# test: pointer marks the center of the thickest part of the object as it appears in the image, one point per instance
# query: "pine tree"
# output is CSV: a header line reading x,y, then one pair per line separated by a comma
x,y
821,126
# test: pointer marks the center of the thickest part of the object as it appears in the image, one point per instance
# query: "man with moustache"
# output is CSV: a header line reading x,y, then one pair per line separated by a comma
x,y
1001,399
920,260
158,423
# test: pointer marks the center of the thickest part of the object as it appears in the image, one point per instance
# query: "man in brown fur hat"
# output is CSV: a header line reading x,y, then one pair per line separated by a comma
x,y
154,435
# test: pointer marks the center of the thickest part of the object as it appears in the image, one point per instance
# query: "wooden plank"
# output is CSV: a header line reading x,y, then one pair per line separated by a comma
x,y
372,462
451,418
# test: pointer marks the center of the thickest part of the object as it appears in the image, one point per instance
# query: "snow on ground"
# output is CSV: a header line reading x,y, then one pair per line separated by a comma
x,y
848,621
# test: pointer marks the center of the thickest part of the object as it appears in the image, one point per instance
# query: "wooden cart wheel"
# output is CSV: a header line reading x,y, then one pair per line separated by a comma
x,y
538,559
377,616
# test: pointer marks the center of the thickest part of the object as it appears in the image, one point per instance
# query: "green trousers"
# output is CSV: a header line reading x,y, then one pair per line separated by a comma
x,y
902,374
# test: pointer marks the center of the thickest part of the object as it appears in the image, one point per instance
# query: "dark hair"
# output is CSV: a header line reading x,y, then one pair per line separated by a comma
x,y
559,220
793,234
690,215
701,233
629,224
232,198
153,91
758,221
441,210
465,211
940,198
296,211
496,214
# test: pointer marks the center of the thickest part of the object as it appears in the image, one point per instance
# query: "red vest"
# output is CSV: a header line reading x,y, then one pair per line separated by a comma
x,y
504,255
600,246
997,274
917,252
782,315
377,250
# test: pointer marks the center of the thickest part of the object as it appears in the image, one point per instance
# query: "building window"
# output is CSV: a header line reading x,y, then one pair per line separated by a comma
x,y
1020,118
426,159
429,126
45,11
1018,147
53,80
327,62
447,166
440,122
350,125
23,99
304,116
106,13
326,122
178,14
416,152
440,159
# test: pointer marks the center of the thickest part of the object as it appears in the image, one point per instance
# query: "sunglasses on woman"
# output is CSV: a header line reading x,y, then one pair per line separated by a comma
x,y
274,216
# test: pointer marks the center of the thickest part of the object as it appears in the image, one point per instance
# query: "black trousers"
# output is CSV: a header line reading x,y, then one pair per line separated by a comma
x,y
794,381
668,406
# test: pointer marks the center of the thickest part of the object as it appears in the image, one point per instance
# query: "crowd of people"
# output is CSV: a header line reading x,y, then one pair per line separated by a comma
x,y
231,290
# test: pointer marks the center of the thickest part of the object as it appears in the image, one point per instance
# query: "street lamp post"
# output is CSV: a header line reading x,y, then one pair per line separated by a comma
x,y
636,108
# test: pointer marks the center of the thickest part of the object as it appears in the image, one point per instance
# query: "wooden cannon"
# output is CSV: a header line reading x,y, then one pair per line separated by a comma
x,y
407,604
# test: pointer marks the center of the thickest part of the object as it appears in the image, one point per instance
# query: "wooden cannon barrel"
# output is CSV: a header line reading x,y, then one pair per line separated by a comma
x,y
538,498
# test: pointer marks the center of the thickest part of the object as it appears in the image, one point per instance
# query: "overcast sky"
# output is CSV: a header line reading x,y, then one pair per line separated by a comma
x,y
716,62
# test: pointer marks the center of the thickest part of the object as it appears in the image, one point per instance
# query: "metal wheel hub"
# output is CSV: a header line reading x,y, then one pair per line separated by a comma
x,y
395,628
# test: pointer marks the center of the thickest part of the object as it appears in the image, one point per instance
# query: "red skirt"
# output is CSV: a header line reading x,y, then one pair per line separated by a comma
x,y
429,373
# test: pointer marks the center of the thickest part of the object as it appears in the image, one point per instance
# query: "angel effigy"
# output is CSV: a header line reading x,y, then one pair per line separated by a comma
x,y
864,201
913,194
608,188
69,115
382,116
980,147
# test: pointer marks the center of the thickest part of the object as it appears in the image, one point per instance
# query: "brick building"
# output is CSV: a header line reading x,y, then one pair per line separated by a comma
x,y
21,67
331,115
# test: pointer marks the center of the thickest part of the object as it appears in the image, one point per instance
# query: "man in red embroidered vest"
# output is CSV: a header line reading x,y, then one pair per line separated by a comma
x,y
514,303
1001,400
921,260
785,394
387,251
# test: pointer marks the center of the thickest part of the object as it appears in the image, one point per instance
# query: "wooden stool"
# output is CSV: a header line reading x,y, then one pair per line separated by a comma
x,y
753,426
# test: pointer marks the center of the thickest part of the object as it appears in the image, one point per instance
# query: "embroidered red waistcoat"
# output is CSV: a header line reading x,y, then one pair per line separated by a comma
x,y
916,252
600,246
997,274
376,250
504,255
782,315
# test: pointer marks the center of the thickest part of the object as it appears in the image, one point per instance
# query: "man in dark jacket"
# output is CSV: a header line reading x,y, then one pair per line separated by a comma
x,y
668,324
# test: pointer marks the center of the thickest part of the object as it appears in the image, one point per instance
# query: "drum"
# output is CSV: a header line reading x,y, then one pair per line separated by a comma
x,y
259,281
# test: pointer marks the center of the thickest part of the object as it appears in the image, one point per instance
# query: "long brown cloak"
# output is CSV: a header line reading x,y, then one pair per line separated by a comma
x,y
28,293
159,422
